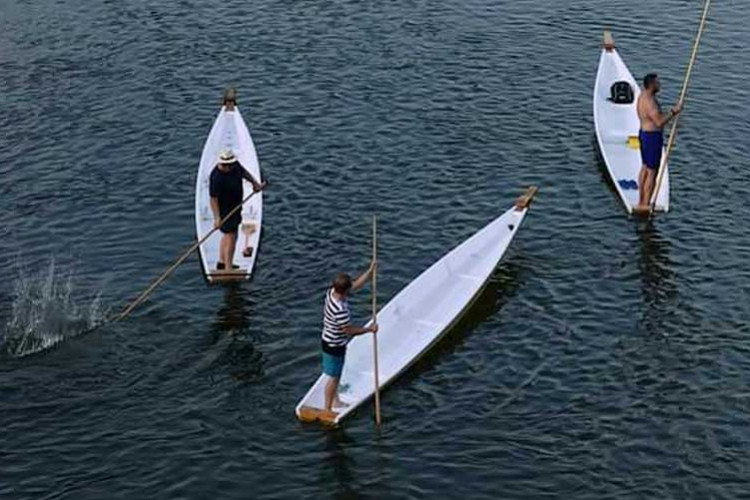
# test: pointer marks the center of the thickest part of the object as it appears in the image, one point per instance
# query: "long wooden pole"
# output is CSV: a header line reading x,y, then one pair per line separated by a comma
x,y
683,93
144,295
375,316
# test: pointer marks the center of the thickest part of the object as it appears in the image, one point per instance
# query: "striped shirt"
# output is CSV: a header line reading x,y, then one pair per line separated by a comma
x,y
336,316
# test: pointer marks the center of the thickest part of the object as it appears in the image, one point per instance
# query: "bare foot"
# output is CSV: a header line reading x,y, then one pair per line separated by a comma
x,y
327,417
337,403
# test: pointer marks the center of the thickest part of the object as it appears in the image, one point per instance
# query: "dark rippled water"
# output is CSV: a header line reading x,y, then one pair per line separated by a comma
x,y
608,358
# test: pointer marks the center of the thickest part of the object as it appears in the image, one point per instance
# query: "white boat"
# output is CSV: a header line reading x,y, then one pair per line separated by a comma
x,y
229,132
418,315
616,122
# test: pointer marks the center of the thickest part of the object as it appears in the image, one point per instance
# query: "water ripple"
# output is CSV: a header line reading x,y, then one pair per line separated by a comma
x,y
608,358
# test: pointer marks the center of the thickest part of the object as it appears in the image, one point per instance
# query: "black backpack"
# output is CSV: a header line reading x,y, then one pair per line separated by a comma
x,y
621,93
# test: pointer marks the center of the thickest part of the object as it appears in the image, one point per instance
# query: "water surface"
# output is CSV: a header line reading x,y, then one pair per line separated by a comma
x,y
608,358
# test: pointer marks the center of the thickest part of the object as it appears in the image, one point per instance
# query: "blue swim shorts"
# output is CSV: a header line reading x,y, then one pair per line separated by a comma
x,y
651,148
332,365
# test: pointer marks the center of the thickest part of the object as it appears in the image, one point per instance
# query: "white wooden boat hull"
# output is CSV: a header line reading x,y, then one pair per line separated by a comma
x,y
228,132
615,124
418,315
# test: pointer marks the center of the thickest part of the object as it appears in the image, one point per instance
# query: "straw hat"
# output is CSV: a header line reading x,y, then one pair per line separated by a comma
x,y
227,157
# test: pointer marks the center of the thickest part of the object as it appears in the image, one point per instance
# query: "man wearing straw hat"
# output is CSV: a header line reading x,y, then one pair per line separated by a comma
x,y
225,189
338,331
651,137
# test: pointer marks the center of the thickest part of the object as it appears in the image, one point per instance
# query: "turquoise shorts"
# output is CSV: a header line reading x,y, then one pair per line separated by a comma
x,y
332,365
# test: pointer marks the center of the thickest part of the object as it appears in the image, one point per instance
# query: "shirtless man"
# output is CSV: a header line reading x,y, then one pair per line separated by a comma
x,y
651,137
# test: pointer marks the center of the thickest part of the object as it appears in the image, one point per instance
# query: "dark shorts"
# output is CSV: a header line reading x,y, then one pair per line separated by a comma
x,y
231,225
652,144
333,365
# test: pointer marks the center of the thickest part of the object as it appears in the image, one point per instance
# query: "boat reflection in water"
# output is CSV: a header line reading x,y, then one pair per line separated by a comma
x,y
499,289
234,315
336,466
232,345
657,277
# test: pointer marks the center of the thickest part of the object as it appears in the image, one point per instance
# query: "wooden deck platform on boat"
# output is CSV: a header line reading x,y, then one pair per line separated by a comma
x,y
227,276
310,414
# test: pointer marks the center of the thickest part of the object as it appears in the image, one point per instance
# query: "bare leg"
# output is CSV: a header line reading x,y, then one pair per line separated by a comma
x,y
648,186
642,185
226,249
231,244
330,393
222,250
337,403
645,190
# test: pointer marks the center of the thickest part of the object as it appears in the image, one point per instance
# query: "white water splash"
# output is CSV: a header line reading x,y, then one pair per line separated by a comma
x,y
45,312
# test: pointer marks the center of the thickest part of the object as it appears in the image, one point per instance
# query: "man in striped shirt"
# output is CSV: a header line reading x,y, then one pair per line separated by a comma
x,y
338,330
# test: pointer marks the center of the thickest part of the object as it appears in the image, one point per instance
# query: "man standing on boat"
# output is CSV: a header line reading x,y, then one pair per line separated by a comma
x,y
338,331
225,189
651,137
